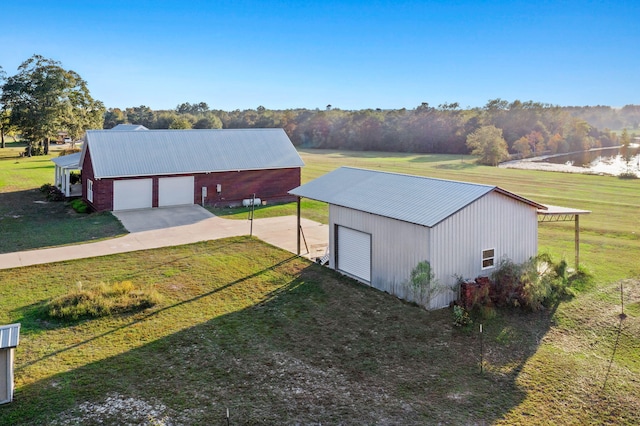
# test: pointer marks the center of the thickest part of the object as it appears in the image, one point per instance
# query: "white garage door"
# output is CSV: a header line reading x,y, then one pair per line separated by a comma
x,y
132,194
175,191
354,253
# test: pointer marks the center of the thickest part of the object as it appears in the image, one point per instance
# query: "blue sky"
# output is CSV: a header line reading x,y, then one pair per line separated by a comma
x,y
239,54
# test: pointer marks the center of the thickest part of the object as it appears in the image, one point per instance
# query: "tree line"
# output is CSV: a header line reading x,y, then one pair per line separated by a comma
x,y
528,127
44,100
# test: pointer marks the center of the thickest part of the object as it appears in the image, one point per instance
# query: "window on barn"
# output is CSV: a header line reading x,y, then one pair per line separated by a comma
x,y
488,258
90,190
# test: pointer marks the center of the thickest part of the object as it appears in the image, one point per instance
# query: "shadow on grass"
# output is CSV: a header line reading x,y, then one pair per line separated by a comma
x,y
320,348
28,221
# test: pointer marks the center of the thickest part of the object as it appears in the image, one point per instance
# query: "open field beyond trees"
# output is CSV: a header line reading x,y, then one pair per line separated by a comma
x,y
279,340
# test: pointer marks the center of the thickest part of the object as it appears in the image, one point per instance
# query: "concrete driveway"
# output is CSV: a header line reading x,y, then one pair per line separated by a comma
x,y
170,226
162,217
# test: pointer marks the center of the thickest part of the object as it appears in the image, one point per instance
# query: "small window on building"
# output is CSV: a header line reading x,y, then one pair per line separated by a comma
x,y
488,258
90,190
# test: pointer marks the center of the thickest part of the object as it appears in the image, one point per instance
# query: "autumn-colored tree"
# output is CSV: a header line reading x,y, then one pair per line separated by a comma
x,y
556,143
536,142
489,145
522,147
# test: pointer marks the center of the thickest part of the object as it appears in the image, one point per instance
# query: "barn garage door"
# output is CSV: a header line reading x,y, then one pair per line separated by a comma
x,y
175,191
354,253
132,194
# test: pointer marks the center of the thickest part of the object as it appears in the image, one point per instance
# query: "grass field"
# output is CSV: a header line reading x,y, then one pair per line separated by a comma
x,y
27,221
610,235
279,340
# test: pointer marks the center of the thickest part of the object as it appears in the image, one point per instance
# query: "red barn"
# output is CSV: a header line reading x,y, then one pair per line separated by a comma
x,y
154,168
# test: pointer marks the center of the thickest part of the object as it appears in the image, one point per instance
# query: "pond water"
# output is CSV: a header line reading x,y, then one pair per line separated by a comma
x,y
611,161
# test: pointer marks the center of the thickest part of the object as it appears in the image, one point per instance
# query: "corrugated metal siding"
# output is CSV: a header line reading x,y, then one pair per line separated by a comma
x,y
397,247
416,199
453,248
162,152
9,336
494,221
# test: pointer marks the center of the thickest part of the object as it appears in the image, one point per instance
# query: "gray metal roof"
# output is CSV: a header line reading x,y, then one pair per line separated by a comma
x,y
9,336
128,127
71,161
163,152
415,199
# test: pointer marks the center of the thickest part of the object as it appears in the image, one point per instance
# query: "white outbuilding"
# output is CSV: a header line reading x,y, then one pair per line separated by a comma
x,y
382,225
9,336
64,166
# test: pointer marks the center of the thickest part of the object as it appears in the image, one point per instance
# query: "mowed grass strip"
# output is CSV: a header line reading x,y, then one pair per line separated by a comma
x,y
610,236
28,221
279,340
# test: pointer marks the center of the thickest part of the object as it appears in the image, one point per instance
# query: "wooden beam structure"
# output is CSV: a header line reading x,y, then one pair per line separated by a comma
x,y
564,214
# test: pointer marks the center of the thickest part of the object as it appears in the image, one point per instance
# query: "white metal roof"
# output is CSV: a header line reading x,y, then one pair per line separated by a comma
x,y
71,161
558,210
415,199
9,336
163,152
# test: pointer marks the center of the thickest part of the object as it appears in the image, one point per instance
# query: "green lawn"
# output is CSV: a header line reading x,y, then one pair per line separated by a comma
x,y
279,340
28,221
610,235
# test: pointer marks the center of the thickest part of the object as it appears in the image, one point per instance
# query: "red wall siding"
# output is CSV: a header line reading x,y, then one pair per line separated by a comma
x,y
268,185
102,189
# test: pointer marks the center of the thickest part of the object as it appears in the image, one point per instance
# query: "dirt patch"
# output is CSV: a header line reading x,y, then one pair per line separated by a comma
x,y
117,409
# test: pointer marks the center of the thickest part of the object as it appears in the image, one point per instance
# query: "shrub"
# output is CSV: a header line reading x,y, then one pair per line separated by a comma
x,y
424,284
461,317
52,193
35,151
533,284
79,206
628,175
474,294
506,287
102,300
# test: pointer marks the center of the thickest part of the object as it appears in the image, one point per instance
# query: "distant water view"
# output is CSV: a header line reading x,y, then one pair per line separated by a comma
x,y
609,161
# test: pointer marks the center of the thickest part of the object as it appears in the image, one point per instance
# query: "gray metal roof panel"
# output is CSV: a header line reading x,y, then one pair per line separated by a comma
x,y
163,152
9,336
128,127
68,161
415,199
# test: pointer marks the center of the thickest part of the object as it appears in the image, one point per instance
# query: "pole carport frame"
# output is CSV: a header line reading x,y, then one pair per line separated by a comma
x,y
564,214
